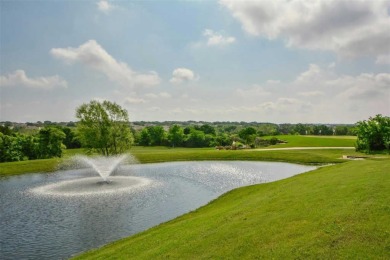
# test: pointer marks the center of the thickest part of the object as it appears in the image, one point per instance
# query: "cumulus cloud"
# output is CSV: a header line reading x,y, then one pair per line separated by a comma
x,y
181,75
217,39
132,101
105,6
19,78
92,55
349,28
158,95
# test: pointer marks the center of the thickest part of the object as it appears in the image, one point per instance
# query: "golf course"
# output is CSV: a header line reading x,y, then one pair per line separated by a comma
x,y
338,211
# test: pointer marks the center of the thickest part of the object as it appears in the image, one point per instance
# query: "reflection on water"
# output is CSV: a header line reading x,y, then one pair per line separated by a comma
x,y
51,216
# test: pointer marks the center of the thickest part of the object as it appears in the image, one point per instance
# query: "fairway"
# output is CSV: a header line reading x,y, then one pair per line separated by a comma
x,y
315,141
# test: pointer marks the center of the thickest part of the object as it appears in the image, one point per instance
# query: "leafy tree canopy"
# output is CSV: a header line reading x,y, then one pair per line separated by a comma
x,y
373,134
104,127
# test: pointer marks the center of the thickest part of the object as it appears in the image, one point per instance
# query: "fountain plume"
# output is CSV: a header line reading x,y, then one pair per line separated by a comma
x,y
103,165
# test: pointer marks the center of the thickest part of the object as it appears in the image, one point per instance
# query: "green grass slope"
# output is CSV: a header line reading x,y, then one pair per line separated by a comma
x,y
335,212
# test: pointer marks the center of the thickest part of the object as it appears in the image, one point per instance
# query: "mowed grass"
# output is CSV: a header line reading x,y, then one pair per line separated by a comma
x,y
335,212
314,141
32,166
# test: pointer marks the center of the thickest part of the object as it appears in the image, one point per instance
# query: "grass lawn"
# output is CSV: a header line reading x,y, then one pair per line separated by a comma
x,y
335,212
314,141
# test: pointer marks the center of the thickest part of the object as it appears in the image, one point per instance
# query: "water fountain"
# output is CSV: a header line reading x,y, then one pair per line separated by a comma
x,y
103,165
84,183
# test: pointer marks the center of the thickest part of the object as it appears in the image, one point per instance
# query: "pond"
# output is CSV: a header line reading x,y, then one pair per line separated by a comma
x,y
57,215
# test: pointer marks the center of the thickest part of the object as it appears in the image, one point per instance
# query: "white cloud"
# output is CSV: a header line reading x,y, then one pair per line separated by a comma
x,y
349,28
273,81
215,39
158,95
383,59
180,75
19,78
130,100
92,55
105,6
315,93
255,91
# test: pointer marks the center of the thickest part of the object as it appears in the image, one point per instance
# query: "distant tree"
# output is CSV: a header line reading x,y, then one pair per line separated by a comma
x,y
248,134
300,129
207,129
223,139
104,127
187,130
196,138
175,135
157,135
11,148
373,134
71,139
341,130
50,142
144,137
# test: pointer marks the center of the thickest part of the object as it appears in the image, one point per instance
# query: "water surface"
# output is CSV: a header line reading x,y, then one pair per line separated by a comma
x,y
57,215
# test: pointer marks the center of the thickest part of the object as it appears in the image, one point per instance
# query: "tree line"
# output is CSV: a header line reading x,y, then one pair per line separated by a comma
x,y
104,127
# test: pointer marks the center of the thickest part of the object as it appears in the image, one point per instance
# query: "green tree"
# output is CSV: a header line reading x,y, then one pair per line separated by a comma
x,y
175,135
196,138
373,134
248,134
144,137
157,135
104,127
50,142
11,148
207,129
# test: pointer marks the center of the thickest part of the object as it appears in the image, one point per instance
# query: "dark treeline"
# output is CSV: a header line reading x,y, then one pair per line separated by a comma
x,y
19,143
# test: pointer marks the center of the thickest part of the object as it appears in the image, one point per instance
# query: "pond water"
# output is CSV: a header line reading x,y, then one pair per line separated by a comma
x,y
57,215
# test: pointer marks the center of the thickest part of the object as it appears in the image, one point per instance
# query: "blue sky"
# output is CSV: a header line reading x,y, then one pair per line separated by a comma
x,y
280,61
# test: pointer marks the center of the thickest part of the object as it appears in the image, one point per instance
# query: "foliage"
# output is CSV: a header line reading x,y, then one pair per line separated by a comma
x,y
373,134
50,142
104,127
71,140
175,135
248,134
17,147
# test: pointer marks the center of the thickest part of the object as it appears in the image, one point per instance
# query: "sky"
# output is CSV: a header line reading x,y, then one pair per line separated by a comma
x,y
280,61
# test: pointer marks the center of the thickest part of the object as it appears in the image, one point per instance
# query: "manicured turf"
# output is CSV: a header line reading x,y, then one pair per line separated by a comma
x,y
315,141
335,212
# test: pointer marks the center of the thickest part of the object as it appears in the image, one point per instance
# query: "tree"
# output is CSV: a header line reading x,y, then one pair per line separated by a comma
x,y
196,138
144,137
50,142
207,129
373,134
248,134
175,135
104,127
157,135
